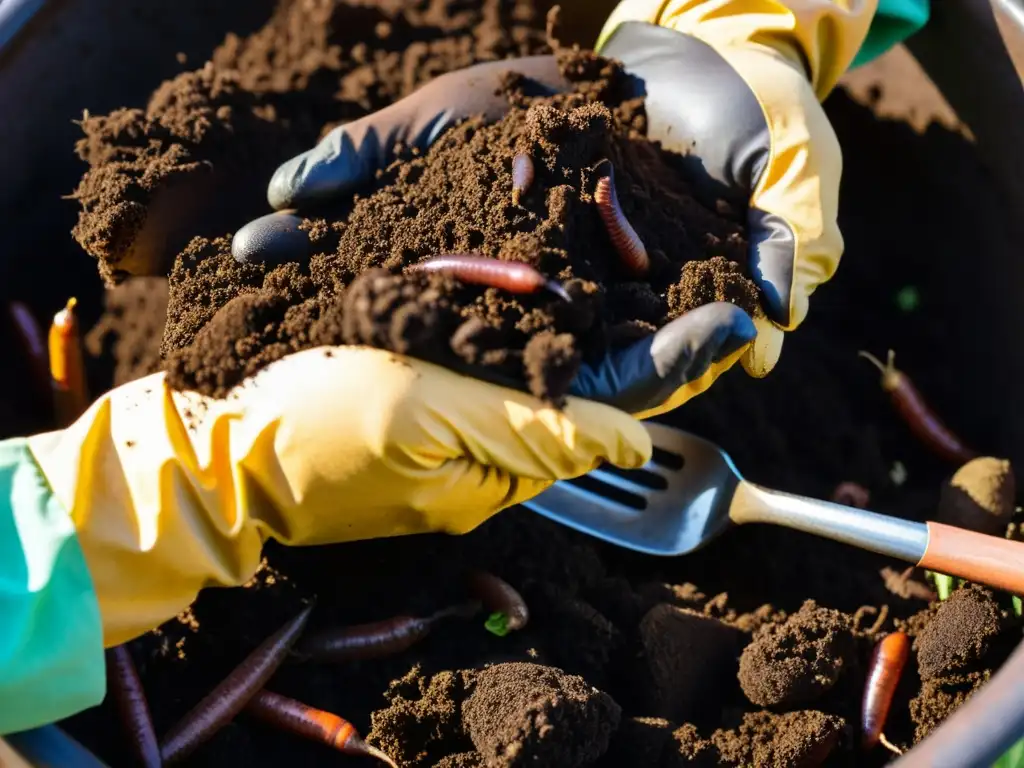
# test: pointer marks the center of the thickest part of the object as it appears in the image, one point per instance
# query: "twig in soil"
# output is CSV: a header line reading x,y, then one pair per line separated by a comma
x,y
852,495
918,415
522,175
229,698
314,724
887,662
377,639
625,239
864,610
124,683
511,276
67,366
508,609
902,585
31,335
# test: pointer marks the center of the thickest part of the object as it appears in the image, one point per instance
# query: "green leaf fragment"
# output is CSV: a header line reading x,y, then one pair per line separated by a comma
x,y
943,584
1012,758
908,298
497,624
1017,605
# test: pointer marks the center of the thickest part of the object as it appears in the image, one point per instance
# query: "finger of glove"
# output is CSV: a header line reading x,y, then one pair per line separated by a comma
x,y
647,373
349,156
772,262
272,239
760,357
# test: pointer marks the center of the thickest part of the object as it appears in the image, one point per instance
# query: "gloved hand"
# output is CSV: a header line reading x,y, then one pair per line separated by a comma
x,y
736,91
112,525
641,379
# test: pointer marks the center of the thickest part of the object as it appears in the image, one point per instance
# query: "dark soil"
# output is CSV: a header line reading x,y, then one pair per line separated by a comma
x,y
818,420
227,320
208,139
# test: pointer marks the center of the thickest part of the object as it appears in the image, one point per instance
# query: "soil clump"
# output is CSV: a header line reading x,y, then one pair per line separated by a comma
x,y
797,660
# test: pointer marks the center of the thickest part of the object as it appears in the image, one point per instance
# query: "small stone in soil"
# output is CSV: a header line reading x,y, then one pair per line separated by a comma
x,y
960,633
798,660
979,496
688,655
527,714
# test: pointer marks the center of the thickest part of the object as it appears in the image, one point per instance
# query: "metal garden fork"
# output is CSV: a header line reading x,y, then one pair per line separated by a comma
x,y
690,491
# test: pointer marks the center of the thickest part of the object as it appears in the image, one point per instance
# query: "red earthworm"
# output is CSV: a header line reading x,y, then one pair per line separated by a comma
x,y
31,335
500,597
852,495
522,175
887,662
314,724
921,419
124,683
67,365
512,276
226,700
625,239
376,639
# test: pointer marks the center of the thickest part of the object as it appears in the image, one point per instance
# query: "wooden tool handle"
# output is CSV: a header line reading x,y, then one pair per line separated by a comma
x,y
976,557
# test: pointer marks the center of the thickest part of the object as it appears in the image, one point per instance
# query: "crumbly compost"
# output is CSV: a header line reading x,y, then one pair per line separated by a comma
x,y
799,659
228,320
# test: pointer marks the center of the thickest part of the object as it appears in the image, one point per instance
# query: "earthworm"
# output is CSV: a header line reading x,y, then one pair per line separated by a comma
x,y
887,662
31,335
311,723
852,495
67,367
921,419
376,639
522,175
512,276
625,239
502,600
226,700
124,683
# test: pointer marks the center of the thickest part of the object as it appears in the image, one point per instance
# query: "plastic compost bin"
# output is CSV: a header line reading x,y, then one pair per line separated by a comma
x,y
973,50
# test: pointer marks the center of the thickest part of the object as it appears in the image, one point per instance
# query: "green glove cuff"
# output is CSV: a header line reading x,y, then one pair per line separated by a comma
x,y
894,22
51,635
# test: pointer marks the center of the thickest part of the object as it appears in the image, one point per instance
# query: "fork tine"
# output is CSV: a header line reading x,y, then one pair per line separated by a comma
x,y
620,481
563,501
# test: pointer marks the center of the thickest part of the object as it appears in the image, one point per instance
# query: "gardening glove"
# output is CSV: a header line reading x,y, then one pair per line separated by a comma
x,y
737,90
111,526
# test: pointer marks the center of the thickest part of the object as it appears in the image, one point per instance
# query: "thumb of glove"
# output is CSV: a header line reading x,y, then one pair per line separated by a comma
x,y
646,374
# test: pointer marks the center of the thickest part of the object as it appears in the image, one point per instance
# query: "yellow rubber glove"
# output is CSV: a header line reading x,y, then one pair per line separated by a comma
x,y
172,492
737,87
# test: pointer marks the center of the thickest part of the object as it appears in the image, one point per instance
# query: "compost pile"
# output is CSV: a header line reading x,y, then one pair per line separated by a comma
x,y
752,651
